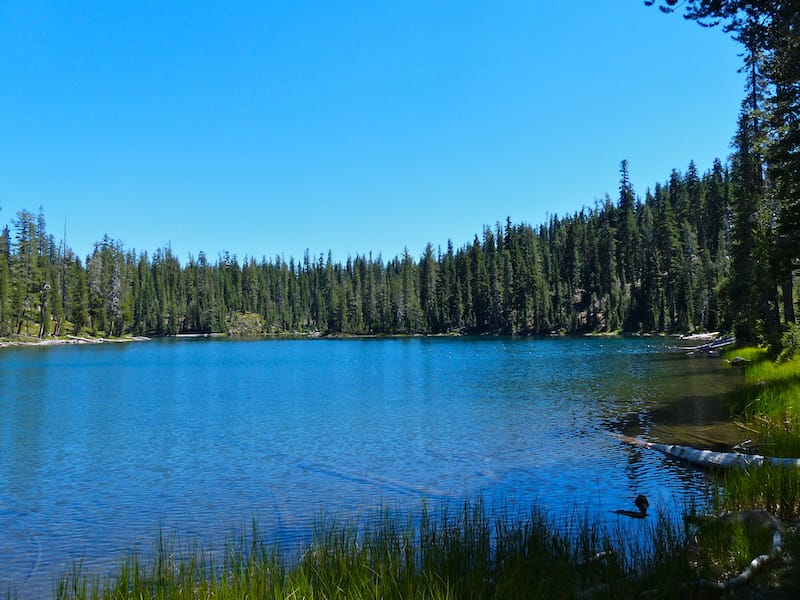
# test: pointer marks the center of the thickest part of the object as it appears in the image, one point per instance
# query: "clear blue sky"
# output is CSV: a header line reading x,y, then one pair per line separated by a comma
x,y
265,128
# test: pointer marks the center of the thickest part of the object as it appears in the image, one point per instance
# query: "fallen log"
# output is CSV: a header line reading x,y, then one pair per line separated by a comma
x,y
752,520
713,346
708,459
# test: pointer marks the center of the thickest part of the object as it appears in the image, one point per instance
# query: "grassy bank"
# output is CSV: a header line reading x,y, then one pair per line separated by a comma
x,y
768,402
767,407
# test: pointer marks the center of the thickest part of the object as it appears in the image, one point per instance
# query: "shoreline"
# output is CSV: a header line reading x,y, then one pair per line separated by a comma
x,y
22,341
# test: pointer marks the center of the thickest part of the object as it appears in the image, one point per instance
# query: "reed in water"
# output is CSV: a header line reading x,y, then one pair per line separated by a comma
x,y
468,553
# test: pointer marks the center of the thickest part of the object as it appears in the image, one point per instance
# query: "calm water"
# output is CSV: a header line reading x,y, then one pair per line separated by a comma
x,y
103,446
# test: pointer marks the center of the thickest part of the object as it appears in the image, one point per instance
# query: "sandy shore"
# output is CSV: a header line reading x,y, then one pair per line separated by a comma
x,y
64,340
703,337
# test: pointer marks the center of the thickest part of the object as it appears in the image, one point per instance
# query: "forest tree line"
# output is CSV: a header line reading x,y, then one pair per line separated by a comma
x,y
658,264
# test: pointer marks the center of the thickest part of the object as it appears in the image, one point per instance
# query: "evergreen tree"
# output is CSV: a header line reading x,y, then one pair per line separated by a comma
x,y
746,182
5,283
716,230
25,272
647,307
626,229
429,297
78,298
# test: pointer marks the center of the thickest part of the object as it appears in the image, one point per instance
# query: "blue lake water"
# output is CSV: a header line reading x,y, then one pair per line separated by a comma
x,y
102,447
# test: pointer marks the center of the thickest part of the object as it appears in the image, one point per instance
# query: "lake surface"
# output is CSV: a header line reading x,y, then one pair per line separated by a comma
x,y
102,447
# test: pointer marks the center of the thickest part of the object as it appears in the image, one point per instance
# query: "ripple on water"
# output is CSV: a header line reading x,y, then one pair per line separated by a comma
x,y
106,446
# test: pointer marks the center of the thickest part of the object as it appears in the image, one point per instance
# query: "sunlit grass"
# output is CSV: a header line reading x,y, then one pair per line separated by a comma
x,y
768,403
749,353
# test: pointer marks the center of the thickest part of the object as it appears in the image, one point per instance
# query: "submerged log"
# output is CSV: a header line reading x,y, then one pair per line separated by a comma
x,y
709,459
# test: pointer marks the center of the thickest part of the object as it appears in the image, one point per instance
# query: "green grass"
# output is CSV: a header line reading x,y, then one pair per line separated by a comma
x,y
720,549
774,489
751,353
768,403
768,406
469,553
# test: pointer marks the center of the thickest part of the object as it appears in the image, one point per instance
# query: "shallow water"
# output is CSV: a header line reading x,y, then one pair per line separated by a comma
x,y
101,447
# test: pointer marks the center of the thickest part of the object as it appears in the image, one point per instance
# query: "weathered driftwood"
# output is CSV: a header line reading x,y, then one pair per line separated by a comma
x,y
752,520
709,459
713,346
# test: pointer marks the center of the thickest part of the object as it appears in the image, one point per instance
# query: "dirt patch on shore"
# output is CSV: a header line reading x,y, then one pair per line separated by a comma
x,y
65,340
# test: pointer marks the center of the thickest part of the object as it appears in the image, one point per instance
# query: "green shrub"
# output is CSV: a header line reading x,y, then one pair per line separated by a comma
x,y
245,324
790,343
